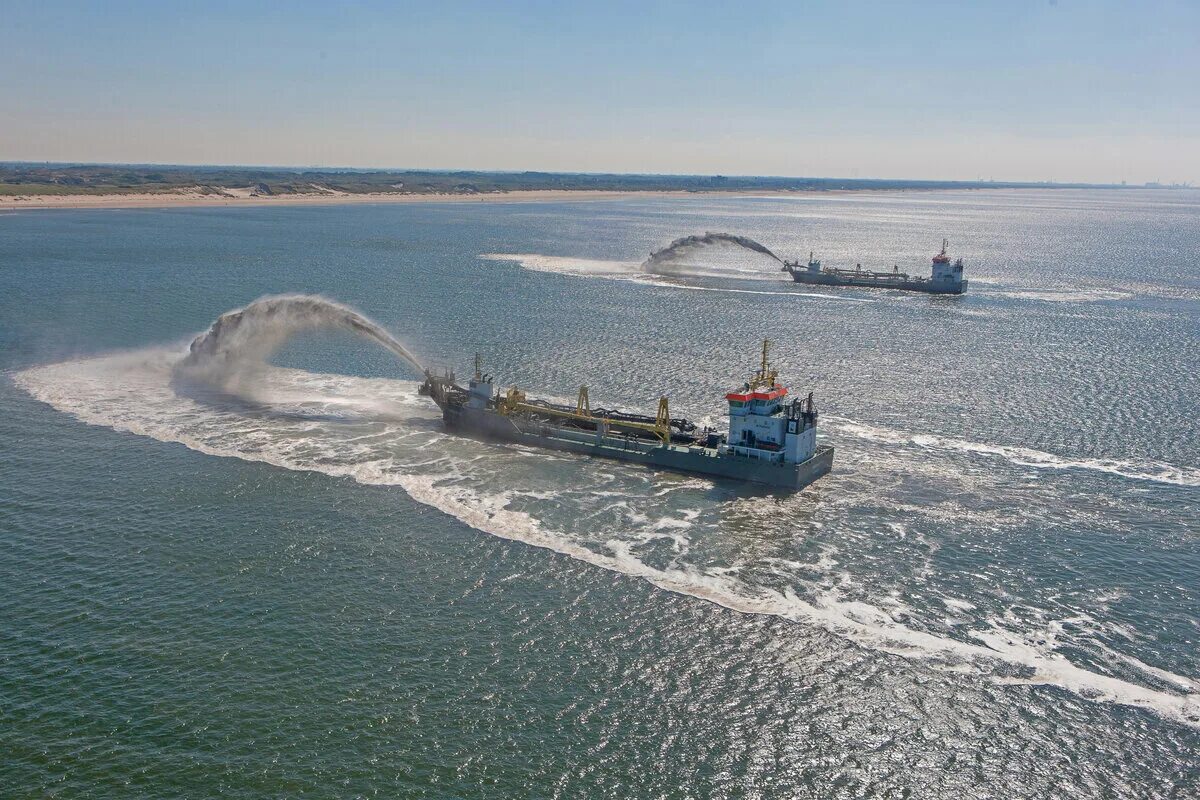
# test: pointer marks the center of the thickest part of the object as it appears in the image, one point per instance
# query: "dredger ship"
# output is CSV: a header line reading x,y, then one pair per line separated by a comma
x,y
770,439
946,277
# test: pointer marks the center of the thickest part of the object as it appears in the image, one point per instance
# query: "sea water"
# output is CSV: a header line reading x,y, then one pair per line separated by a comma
x,y
304,585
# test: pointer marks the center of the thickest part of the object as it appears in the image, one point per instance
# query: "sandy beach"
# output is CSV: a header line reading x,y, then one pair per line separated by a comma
x,y
248,197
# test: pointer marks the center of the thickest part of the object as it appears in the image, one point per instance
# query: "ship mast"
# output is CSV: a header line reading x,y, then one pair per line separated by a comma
x,y
765,375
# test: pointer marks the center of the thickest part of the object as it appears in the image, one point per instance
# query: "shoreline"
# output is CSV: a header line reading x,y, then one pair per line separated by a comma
x,y
234,198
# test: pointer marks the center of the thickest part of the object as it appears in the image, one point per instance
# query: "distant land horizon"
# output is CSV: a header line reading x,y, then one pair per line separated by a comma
x,y
80,184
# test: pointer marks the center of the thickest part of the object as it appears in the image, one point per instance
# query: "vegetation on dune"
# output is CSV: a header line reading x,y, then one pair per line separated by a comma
x,y
61,179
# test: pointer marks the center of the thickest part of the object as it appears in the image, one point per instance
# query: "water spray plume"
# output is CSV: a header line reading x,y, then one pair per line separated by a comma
x,y
680,247
252,334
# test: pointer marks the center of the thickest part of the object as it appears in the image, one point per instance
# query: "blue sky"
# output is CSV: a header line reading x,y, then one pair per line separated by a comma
x,y
1012,90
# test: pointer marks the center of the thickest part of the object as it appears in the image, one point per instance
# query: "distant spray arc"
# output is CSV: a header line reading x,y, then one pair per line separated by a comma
x,y
682,246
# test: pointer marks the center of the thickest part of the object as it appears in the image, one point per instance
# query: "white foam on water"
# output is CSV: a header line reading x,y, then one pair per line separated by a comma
x,y
385,434
1183,682
955,604
562,265
1081,294
778,293
1154,471
634,271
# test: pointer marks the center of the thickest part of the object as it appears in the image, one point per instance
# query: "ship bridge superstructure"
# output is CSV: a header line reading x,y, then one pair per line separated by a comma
x,y
946,275
763,425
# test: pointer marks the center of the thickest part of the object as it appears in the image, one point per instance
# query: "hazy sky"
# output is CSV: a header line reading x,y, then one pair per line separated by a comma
x,y
1015,90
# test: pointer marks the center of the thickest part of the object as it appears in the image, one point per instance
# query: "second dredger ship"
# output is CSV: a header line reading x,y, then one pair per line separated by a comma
x,y
770,440
946,278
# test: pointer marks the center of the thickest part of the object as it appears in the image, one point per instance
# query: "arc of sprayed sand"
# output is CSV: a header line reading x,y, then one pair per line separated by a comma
x,y
262,327
710,238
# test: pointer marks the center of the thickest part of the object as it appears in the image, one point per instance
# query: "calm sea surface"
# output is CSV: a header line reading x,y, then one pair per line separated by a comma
x,y
306,587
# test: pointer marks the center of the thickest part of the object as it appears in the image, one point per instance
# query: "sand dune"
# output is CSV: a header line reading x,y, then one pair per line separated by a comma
x,y
248,196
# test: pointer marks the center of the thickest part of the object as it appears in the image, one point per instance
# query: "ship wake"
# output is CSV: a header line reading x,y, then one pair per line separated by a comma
x,y
683,278
670,530
1150,471
711,255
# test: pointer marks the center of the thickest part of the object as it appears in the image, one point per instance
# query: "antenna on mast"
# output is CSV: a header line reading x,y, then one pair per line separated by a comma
x,y
765,375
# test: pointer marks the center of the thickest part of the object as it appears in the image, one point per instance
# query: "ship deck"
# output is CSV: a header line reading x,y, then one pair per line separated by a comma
x,y
712,462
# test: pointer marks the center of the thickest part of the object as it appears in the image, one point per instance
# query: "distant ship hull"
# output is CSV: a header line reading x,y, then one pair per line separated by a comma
x,y
876,281
945,278
488,424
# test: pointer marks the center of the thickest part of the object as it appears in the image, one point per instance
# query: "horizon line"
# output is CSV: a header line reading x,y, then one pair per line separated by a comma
x,y
460,170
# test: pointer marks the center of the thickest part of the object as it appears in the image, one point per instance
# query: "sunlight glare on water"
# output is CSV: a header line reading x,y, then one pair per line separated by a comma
x,y
1000,572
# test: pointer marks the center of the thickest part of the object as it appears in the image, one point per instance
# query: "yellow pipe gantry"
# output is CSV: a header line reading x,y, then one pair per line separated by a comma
x,y
513,402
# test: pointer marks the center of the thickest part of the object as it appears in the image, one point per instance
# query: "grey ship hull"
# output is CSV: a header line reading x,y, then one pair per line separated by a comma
x,y
872,282
704,461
